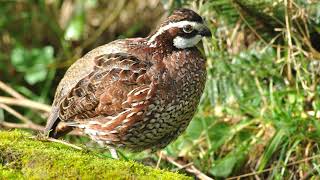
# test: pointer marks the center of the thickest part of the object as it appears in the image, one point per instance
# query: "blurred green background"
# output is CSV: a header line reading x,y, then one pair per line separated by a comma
x,y
258,117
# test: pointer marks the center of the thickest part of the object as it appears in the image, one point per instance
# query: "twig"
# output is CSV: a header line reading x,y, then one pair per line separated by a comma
x,y
260,89
21,126
25,103
65,143
250,27
6,88
288,6
184,166
188,167
16,114
35,127
272,168
27,122
10,91
160,157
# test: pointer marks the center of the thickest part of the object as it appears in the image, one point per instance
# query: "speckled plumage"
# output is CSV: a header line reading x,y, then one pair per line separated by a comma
x,y
132,93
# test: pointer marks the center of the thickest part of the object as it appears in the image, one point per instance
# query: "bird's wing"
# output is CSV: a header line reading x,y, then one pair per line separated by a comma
x,y
76,72
119,84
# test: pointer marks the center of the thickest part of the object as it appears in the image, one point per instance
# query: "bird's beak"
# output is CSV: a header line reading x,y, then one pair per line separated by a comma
x,y
205,32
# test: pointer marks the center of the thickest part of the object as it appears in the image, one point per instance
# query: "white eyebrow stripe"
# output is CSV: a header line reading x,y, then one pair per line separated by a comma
x,y
179,24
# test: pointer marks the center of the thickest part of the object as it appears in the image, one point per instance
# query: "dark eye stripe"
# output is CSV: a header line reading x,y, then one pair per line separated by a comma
x,y
188,35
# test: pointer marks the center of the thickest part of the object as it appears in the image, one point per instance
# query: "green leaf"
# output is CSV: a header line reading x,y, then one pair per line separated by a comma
x,y
35,76
32,63
273,146
224,166
17,58
195,128
218,135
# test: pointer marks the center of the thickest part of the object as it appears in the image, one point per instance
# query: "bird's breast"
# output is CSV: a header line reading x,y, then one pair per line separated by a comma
x,y
170,111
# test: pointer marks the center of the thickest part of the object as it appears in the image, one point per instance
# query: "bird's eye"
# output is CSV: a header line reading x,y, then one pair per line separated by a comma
x,y
187,29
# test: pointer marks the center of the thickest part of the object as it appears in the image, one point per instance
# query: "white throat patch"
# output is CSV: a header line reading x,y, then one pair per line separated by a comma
x,y
182,43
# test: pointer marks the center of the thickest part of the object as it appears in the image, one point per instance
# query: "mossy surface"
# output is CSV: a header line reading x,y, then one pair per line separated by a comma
x,y
23,157
8,173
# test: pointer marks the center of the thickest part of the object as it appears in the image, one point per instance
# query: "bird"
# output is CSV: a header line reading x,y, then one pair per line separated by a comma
x,y
135,93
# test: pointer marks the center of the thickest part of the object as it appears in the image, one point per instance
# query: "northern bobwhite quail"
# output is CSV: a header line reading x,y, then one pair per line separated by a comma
x,y
137,93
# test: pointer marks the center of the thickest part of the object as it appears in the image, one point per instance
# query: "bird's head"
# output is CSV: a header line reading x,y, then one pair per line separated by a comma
x,y
183,29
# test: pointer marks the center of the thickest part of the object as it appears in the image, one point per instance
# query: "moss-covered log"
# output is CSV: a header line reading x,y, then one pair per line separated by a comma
x,y
23,157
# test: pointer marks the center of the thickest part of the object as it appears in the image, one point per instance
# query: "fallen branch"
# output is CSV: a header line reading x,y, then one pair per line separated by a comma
x,y
16,114
188,167
10,91
35,127
21,126
22,101
65,143
25,103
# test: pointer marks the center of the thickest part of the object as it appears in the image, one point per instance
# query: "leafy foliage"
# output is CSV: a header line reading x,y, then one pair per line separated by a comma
x,y
33,64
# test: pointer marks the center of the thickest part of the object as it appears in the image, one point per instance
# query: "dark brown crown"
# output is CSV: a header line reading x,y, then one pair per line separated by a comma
x,y
183,14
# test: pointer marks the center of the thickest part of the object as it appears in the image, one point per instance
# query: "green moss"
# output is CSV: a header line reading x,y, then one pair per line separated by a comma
x,y
20,154
7,173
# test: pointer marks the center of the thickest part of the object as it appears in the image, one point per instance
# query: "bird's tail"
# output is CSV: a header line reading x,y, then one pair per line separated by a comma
x,y
55,128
